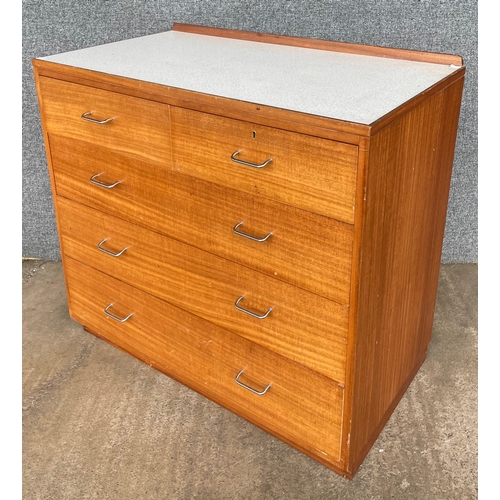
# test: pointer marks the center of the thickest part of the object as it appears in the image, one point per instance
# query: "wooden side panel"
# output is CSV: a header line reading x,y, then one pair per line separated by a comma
x,y
407,185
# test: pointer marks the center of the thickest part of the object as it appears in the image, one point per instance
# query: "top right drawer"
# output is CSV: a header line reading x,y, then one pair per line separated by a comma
x,y
315,174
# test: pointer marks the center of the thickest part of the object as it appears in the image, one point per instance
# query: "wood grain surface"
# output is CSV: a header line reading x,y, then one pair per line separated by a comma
x,y
208,358
407,185
307,250
302,326
140,127
306,172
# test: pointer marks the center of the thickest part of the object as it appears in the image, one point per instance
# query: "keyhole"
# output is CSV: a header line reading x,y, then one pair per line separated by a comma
x,y
254,134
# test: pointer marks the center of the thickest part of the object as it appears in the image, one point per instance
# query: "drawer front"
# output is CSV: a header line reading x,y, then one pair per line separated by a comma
x,y
139,127
300,406
302,326
305,249
307,172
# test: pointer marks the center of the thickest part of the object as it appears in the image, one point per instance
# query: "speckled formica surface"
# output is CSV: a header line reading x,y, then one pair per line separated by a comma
x,y
348,87
98,424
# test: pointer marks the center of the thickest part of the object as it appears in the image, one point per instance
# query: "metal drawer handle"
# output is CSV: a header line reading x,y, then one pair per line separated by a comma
x,y
245,235
262,165
259,393
99,247
121,320
250,312
86,116
102,184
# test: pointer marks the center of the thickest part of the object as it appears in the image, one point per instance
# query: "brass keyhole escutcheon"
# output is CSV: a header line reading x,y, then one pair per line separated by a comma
x,y
254,134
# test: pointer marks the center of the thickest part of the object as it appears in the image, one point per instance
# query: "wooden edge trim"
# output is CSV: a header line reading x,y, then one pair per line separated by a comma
x,y
319,126
363,157
50,172
349,48
407,106
357,461
317,457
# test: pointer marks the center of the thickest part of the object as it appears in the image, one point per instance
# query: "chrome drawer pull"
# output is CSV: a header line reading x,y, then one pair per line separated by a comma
x,y
260,240
99,247
98,183
86,116
250,312
121,320
259,393
262,165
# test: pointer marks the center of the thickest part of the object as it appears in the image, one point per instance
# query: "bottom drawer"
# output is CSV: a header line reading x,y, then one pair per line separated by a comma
x,y
300,406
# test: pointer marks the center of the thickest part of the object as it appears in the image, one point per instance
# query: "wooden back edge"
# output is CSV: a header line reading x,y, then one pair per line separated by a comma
x,y
349,48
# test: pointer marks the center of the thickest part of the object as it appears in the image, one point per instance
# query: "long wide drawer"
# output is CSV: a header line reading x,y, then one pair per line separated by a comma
x,y
298,324
128,124
299,405
311,173
305,249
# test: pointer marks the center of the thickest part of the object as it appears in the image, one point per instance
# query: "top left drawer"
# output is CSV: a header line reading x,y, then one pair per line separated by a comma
x,y
130,125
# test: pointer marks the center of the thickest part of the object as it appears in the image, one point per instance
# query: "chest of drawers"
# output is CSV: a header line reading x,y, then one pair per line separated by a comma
x,y
258,217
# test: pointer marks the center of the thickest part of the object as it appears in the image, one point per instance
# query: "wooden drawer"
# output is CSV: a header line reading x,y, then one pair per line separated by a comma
x,y
300,406
306,250
139,127
302,326
314,174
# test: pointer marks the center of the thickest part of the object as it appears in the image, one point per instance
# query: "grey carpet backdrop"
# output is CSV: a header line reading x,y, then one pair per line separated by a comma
x,y
448,26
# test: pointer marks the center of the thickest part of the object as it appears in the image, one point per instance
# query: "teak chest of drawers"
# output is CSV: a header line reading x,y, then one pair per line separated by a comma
x,y
259,217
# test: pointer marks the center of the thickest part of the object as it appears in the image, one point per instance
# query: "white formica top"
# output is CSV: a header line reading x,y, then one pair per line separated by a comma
x,y
349,87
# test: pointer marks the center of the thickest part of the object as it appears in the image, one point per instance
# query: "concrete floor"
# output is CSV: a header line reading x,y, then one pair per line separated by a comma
x,y
98,424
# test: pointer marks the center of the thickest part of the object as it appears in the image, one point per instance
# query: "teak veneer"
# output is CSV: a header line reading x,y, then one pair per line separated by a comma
x,y
271,237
